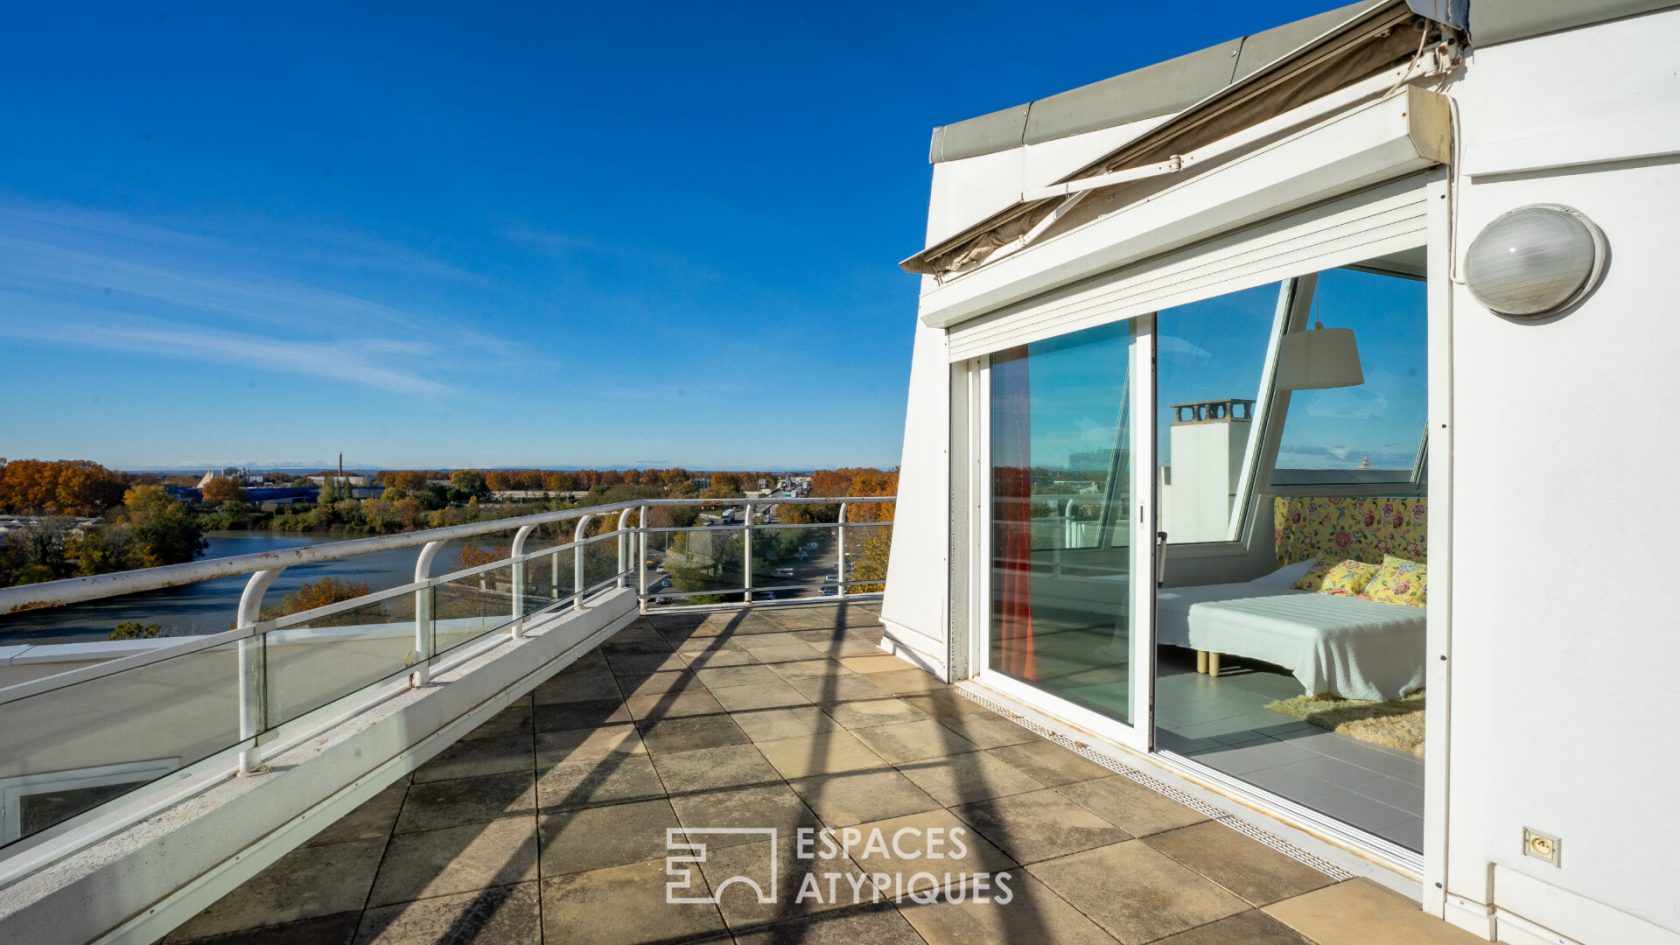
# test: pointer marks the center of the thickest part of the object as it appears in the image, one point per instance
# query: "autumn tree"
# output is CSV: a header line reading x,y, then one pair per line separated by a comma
x,y
164,531
223,489
59,487
725,485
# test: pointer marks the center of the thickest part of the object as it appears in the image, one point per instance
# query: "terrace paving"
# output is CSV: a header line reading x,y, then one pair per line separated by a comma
x,y
549,823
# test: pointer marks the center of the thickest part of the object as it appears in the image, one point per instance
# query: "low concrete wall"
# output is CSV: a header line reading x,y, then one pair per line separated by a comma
x,y
138,884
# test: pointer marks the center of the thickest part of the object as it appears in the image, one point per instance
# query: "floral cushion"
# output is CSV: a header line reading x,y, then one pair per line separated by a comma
x,y
1399,582
1365,529
1337,576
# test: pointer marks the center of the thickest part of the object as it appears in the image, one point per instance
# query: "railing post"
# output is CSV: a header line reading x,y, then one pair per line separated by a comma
x,y
624,548
517,553
746,553
641,563
840,562
253,673
577,562
423,617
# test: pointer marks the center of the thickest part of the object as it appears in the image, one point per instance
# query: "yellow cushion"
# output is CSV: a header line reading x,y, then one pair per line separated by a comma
x,y
1399,582
1337,576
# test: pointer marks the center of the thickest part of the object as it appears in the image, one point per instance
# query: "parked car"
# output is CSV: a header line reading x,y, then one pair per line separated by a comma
x,y
783,572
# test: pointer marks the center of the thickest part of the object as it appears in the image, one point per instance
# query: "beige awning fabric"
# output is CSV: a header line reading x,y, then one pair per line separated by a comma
x,y
1371,41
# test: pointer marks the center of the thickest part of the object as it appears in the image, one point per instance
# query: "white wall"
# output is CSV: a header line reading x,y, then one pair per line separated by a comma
x,y
918,571
1566,511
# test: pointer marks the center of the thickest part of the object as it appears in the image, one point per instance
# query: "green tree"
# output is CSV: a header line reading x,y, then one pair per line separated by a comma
x,y
164,531
133,630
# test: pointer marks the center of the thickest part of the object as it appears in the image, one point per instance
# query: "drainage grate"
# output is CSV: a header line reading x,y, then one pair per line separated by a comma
x,y
1163,788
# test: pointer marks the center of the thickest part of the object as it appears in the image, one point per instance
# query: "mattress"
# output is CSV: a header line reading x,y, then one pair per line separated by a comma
x,y
1343,646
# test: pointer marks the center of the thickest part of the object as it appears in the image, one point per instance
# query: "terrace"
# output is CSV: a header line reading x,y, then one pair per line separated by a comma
x,y
548,823
557,740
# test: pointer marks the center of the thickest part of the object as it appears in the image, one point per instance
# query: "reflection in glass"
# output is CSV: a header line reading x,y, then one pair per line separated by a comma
x,y
1061,525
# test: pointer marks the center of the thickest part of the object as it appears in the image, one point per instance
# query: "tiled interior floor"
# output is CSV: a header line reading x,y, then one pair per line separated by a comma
x,y
549,823
1223,722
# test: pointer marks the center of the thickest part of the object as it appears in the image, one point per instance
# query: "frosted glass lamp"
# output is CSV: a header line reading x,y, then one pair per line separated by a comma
x,y
1535,260
1317,359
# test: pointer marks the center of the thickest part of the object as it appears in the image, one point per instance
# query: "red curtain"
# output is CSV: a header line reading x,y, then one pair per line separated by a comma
x,y
1012,624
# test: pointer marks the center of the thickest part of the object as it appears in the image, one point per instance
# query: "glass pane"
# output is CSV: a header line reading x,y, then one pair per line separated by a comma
x,y
1210,355
1372,432
548,579
1061,517
468,607
867,548
326,658
67,750
793,561
702,564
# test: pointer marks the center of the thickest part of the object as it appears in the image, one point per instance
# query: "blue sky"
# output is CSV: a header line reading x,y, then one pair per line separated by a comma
x,y
494,235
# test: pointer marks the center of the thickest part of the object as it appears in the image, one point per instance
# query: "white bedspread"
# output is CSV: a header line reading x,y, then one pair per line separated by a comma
x,y
1344,646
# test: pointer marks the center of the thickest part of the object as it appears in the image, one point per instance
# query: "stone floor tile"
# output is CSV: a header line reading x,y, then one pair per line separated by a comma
x,y
1130,806
556,748
461,801
457,860
870,924
821,753
726,677
769,805
1247,928
1032,914
741,904
763,725
595,837
336,929
584,713
690,734
945,703
505,915
1135,893
639,665
653,683
903,681
1050,763
1359,912
973,776
478,756
986,731
1038,825
513,720
672,705
574,687
307,883
921,740
831,688
713,769
592,782
871,712
875,663
713,658
809,668
768,696
624,905
1247,867
783,652
371,821
842,800
943,852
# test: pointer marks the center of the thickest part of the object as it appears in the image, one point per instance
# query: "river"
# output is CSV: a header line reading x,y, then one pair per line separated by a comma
x,y
210,606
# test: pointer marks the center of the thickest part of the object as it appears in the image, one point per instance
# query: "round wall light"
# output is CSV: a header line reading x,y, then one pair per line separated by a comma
x,y
1535,260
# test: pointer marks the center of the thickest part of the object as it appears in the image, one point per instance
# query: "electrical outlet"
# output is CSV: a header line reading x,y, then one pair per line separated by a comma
x,y
1543,846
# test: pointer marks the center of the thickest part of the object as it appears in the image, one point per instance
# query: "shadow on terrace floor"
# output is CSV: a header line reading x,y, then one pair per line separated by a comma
x,y
549,824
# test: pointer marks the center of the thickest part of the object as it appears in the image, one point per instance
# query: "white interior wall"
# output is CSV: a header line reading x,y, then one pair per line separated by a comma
x,y
1565,512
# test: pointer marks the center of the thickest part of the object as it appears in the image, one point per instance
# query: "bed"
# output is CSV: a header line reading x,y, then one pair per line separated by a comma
x,y
1344,646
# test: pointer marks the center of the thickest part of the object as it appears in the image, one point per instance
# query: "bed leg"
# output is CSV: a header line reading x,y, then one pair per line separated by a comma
x,y
1201,661
1213,664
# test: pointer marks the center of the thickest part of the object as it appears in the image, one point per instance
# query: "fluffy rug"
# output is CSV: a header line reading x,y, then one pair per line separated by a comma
x,y
1397,724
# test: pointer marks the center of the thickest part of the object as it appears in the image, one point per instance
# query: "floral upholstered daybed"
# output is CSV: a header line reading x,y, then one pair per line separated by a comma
x,y
1344,612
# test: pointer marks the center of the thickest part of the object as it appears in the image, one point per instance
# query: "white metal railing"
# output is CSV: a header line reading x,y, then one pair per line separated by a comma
x,y
203,696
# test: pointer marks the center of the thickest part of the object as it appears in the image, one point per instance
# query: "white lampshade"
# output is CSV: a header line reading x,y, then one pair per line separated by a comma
x,y
1317,359
1534,261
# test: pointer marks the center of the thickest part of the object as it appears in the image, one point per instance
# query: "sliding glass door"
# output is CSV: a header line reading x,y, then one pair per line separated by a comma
x,y
1063,549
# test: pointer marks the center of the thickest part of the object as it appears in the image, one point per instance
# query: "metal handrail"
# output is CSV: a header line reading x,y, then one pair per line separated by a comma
x,y
77,590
